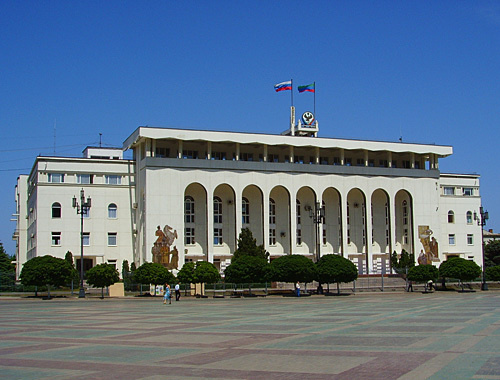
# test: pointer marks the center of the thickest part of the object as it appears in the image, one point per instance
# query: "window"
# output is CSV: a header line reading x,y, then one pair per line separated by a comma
x,y
56,238
113,180
189,209
246,157
189,236
447,190
56,210
217,210
218,155
86,239
162,152
217,236
189,154
336,160
245,211
406,164
451,217
405,236
298,220
360,162
451,239
112,211
405,213
112,263
468,217
272,211
470,239
272,222
111,239
299,159
86,212
273,158
323,160
348,162
56,177
84,179
467,191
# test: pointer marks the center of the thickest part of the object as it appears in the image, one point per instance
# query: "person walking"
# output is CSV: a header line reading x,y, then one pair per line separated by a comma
x,y
177,292
167,295
297,289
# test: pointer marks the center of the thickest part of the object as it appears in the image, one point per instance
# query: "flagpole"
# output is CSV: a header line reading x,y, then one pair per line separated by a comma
x,y
315,100
291,81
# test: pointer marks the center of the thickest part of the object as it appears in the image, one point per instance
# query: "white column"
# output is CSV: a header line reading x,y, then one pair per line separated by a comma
x,y
344,223
179,153
210,225
238,198
209,150
342,157
389,159
237,151
265,152
369,227
265,223
291,159
316,151
366,157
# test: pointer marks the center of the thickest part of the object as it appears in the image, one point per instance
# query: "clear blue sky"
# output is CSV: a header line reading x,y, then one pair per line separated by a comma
x,y
426,70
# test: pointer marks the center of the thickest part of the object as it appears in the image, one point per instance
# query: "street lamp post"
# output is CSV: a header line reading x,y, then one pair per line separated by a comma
x,y
81,209
318,216
481,221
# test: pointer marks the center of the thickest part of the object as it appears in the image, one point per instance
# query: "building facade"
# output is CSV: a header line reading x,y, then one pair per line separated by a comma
x,y
186,195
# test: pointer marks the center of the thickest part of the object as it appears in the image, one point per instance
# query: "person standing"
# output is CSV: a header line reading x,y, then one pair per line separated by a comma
x,y
177,292
297,289
167,295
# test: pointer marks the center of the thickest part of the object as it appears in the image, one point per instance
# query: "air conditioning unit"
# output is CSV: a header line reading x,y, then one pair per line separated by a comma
x,y
135,205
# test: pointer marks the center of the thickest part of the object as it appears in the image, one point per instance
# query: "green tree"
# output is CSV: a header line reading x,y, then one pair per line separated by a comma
x,y
423,273
47,270
247,246
205,272
101,276
293,268
492,253
403,263
7,268
69,258
460,269
153,273
493,273
247,270
186,274
335,269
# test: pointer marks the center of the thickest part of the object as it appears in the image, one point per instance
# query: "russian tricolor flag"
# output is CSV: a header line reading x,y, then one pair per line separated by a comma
x,y
283,86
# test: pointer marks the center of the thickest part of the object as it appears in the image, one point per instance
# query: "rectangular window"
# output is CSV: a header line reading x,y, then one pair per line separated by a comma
x,y
189,236
273,158
246,157
56,177
451,239
84,179
383,163
111,239
323,160
406,164
467,191
470,239
336,160
299,159
113,180
217,236
56,238
298,232
272,236
86,239
360,162
447,190
218,155
112,263
189,154
347,162
162,152
324,235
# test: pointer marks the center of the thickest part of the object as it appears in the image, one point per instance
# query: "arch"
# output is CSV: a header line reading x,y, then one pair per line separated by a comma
x,y
356,244
306,198
281,227
403,206
380,231
224,222
195,221
332,224
56,210
253,194
112,211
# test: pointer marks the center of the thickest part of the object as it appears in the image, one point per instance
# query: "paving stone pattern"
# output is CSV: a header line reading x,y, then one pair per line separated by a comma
x,y
382,336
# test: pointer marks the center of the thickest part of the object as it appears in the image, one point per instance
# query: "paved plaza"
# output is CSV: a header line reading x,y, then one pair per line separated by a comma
x,y
444,335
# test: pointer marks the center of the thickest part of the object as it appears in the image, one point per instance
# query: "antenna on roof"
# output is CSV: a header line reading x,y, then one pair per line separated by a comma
x,y
400,135
100,140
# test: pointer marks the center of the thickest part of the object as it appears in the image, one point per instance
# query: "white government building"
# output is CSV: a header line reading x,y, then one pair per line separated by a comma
x,y
297,193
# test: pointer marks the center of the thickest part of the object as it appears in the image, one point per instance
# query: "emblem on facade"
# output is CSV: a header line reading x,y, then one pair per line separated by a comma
x,y
162,253
308,118
430,252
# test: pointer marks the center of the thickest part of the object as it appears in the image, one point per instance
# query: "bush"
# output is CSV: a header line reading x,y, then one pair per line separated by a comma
x,y
460,269
335,269
153,273
101,276
293,268
493,273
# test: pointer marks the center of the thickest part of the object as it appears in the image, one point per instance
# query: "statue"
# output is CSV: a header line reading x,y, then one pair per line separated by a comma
x,y
161,248
431,250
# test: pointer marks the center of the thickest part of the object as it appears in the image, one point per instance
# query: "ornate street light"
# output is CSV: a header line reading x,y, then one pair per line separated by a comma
x,y
82,208
481,221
